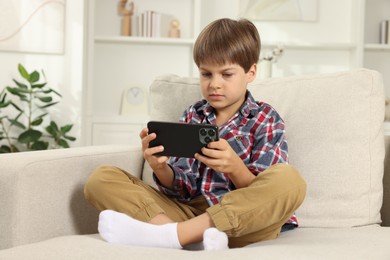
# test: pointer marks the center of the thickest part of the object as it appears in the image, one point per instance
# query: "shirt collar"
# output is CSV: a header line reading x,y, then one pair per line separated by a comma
x,y
248,107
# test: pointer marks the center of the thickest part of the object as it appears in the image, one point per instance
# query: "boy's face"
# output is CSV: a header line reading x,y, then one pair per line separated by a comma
x,y
224,87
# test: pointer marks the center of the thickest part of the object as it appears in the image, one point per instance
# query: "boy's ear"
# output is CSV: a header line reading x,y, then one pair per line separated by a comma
x,y
252,72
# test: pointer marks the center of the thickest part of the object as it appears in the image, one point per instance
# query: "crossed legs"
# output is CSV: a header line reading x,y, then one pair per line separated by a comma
x,y
159,221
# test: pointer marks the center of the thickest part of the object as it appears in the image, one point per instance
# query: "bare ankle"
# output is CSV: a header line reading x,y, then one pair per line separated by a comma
x,y
160,219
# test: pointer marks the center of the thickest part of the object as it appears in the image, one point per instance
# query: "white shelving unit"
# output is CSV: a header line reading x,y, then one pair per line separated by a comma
x,y
377,56
117,62
341,39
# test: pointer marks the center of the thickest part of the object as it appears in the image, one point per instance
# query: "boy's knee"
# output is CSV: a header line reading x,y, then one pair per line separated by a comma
x,y
285,177
287,173
294,181
97,180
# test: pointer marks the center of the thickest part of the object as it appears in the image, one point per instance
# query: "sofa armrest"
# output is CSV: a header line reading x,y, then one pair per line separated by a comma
x,y
41,193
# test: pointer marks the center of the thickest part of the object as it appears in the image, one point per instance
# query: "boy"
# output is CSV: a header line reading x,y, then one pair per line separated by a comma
x,y
239,191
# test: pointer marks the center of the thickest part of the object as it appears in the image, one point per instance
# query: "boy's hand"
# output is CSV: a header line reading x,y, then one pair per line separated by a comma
x,y
156,162
221,157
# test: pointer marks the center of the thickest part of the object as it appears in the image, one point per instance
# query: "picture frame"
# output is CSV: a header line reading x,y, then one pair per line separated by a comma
x,y
279,10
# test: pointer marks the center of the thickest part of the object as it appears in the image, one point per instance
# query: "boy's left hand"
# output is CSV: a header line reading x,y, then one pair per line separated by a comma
x,y
220,156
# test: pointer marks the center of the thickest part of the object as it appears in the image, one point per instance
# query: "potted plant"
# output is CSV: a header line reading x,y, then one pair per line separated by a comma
x,y
24,109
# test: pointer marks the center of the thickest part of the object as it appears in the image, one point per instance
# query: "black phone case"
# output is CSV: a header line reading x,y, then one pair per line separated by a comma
x,y
181,139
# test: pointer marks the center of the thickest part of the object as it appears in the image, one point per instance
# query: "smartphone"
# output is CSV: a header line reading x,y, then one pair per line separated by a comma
x,y
182,139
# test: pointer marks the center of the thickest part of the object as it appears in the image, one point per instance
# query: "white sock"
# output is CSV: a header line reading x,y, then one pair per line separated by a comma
x,y
214,240
118,228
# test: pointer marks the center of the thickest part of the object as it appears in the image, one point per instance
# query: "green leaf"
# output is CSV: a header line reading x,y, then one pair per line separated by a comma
x,y
15,122
41,116
8,149
19,90
5,149
34,77
29,136
39,85
54,125
70,138
63,143
50,91
5,104
16,92
48,105
66,128
46,99
20,85
52,129
4,96
37,122
39,145
23,72
17,108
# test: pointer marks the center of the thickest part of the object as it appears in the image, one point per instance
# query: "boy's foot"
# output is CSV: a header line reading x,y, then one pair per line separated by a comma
x,y
213,240
118,228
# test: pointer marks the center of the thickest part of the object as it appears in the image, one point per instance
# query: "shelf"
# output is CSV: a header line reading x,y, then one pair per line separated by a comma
x,y
121,119
377,47
188,41
143,40
386,128
312,46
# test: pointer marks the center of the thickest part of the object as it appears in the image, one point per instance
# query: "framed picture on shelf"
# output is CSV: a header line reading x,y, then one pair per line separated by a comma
x,y
279,10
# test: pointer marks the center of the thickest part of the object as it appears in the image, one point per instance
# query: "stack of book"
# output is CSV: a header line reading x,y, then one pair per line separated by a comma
x,y
152,24
384,32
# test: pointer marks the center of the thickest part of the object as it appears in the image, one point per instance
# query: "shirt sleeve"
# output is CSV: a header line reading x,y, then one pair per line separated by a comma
x,y
185,171
270,145
185,178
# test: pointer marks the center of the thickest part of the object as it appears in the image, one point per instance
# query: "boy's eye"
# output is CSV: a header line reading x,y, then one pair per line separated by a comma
x,y
227,75
206,74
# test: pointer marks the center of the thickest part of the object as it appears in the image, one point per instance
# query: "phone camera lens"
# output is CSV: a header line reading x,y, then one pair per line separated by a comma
x,y
203,132
211,132
207,139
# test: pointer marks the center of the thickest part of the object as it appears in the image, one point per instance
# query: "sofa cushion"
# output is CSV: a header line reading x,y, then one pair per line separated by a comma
x,y
369,242
41,192
334,130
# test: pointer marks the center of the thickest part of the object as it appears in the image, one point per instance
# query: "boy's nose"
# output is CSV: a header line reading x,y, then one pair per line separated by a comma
x,y
215,83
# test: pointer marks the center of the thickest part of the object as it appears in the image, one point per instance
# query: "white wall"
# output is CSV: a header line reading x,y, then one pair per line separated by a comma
x,y
64,72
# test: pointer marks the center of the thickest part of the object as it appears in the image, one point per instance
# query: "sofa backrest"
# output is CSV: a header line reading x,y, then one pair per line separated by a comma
x,y
334,127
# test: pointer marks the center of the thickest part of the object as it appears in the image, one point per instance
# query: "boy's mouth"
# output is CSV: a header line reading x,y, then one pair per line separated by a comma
x,y
216,96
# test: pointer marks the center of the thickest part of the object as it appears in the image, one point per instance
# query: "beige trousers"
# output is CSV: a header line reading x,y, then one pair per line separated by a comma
x,y
246,215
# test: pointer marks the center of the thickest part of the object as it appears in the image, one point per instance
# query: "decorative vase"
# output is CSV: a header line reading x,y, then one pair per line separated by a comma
x,y
265,69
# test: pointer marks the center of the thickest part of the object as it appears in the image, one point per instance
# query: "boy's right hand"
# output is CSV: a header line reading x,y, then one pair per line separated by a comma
x,y
156,162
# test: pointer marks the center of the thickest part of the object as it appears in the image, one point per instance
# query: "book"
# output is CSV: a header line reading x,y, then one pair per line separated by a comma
x,y
384,32
388,32
152,24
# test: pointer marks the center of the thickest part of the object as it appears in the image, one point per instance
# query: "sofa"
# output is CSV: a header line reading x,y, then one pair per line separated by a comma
x,y
334,127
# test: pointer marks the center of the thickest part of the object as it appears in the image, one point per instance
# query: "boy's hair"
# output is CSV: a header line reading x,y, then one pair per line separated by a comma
x,y
228,41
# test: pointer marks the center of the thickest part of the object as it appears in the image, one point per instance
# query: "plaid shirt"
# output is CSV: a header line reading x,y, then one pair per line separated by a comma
x,y
256,133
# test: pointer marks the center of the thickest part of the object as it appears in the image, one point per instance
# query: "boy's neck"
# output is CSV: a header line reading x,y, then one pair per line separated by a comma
x,y
223,117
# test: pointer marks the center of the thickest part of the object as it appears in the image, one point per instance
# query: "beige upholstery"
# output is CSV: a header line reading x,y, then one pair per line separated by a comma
x,y
334,129
41,193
